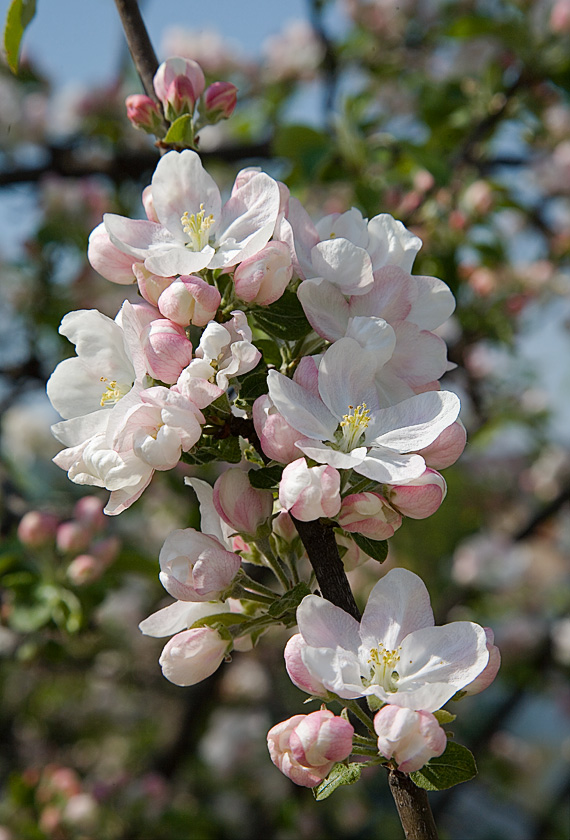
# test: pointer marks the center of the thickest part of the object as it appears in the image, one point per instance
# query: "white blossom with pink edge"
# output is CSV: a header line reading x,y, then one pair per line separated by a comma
x,y
196,566
419,498
192,655
306,747
345,427
241,506
395,654
263,278
486,676
195,230
309,492
370,514
410,737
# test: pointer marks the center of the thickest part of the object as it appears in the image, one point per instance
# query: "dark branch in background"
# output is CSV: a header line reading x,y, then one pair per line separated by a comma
x,y
329,63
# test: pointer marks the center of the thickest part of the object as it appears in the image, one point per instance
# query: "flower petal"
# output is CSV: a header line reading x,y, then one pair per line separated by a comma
x,y
398,605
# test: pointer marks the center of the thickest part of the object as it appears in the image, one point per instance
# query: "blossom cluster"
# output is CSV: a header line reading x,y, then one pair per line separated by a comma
x,y
306,355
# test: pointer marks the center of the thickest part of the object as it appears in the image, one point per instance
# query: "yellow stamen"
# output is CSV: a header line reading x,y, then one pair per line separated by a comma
x,y
353,426
384,663
113,392
197,226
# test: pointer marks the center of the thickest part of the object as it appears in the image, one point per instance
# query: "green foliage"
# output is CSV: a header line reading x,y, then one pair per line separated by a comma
x,y
283,319
456,765
377,549
181,133
266,478
20,14
340,775
285,608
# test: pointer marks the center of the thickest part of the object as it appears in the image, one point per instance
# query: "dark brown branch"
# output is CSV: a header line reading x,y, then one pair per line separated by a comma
x,y
320,544
413,807
139,43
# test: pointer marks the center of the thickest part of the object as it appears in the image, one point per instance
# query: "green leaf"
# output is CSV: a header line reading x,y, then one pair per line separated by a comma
x,y
267,478
377,549
181,132
289,602
443,716
304,147
210,449
253,385
226,619
341,774
20,14
284,319
269,351
456,765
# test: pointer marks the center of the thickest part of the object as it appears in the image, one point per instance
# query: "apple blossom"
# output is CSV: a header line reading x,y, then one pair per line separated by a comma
x,y
110,262
85,568
219,101
308,493
194,230
192,655
446,448
239,504
166,349
394,654
196,566
369,514
178,83
490,671
263,278
306,747
344,426
143,112
189,300
151,286
420,497
410,737
36,528
224,352
72,537
298,671
276,436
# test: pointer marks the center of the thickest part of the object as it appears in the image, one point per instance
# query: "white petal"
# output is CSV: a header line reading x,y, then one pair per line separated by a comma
x,y
398,604
343,264
323,454
179,616
391,243
389,467
301,410
346,378
376,337
338,670
414,423
210,520
434,303
322,624
325,307
181,185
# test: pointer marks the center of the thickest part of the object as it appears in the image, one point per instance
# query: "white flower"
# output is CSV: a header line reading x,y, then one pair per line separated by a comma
x,y
194,230
345,427
395,654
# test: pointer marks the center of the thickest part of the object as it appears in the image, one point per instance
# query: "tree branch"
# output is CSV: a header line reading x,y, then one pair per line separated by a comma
x,y
413,807
139,43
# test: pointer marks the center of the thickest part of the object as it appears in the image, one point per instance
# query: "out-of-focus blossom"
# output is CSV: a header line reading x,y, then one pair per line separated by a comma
x,y
72,537
294,54
242,506
410,737
37,528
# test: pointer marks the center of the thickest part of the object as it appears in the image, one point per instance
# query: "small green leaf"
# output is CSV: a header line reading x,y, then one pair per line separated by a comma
x,y
456,765
443,716
289,602
377,549
284,319
341,774
253,385
267,478
226,619
181,132
20,14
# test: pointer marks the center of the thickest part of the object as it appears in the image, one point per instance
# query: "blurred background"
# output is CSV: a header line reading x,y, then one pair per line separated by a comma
x,y
455,118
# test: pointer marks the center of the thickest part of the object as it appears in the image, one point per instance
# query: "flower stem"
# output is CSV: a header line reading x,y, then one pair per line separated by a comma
x,y
273,562
353,706
250,583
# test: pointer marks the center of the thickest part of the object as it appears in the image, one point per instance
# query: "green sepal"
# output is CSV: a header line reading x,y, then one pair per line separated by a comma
x,y
20,14
181,132
267,478
220,622
377,549
283,319
286,606
456,765
341,774
443,716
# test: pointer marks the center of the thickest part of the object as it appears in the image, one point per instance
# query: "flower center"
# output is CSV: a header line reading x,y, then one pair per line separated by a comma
x,y
352,426
197,226
113,392
383,667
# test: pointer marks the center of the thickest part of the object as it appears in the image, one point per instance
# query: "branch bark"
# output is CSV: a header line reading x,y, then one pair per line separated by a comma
x,y
139,43
413,807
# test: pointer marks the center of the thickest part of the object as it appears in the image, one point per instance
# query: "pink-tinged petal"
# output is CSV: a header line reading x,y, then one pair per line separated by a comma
x,y
376,337
176,259
210,521
137,236
398,604
369,514
325,307
112,263
189,300
300,409
323,454
179,616
391,243
414,423
121,499
180,184
490,671
346,378
320,738
191,656
436,662
434,303
419,356
176,66
337,669
309,492
390,298
410,737
421,497
248,220
305,235
276,436
322,624
343,264
388,467
446,449
307,375
297,669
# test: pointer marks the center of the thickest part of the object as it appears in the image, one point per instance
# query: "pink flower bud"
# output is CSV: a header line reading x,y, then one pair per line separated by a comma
x,y
283,527
37,529
276,436
297,670
151,286
189,300
219,101
446,449
144,113
89,512
239,504
263,278
419,498
108,260
178,82
166,349
192,655
72,537
369,514
106,550
490,671
85,568
305,747
560,17
309,492
411,738
196,566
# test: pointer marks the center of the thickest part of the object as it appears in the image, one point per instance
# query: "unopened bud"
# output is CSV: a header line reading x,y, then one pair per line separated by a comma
x,y
144,113
219,101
